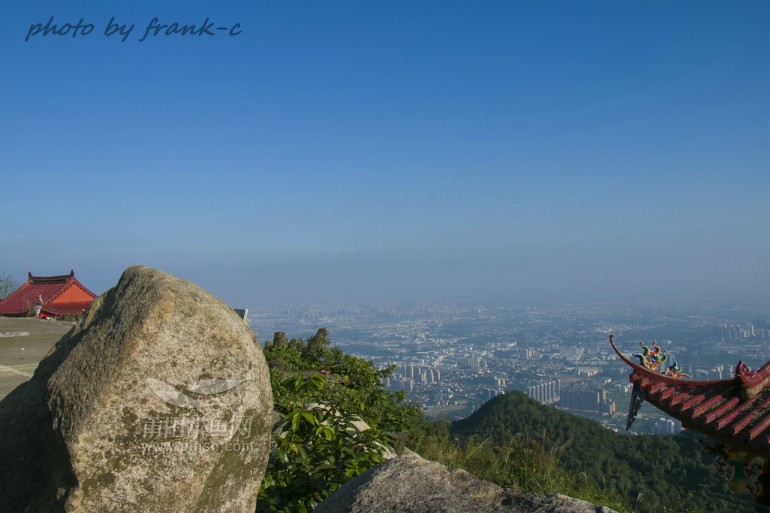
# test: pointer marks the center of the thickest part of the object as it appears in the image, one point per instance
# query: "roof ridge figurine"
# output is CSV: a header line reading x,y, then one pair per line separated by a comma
x,y
735,412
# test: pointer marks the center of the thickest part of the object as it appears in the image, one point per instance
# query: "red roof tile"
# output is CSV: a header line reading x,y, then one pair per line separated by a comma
x,y
61,295
735,411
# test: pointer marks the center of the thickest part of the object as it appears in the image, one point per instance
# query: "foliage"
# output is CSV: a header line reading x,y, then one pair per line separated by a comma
x,y
516,463
321,393
353,385
7,285
315,450
511,441
671,473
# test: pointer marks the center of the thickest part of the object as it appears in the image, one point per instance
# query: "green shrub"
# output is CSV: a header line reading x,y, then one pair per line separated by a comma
x,y
315,450
321,393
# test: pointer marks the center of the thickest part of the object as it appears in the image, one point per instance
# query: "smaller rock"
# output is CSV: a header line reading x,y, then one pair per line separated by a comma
x,y
279,339
411,484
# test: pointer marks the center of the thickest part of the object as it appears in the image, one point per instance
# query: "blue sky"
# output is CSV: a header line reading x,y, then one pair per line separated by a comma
x,y
400,150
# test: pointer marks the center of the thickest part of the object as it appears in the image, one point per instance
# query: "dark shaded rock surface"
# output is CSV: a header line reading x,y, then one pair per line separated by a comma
x,y
411,484
159,400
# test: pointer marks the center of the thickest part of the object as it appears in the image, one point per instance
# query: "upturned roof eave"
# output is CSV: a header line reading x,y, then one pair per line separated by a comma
x,y
656,376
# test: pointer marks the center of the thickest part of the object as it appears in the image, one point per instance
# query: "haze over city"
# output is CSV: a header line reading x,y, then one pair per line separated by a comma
x,y
394,151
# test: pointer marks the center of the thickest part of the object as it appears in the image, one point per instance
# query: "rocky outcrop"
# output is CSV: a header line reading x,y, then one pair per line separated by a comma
x,y
280,340
159,400
410,484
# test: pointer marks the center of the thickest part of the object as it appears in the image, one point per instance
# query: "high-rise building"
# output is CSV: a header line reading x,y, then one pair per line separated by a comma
x,y
546,392
577,399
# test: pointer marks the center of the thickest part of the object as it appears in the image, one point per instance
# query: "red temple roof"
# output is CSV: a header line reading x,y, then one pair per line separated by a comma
x,y
61,295
735,411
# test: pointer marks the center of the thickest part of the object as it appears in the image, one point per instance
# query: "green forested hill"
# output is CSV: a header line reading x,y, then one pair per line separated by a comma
x,y
672,473
319,392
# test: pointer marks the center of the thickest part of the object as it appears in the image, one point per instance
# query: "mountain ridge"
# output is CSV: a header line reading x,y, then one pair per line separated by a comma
x,y
649,472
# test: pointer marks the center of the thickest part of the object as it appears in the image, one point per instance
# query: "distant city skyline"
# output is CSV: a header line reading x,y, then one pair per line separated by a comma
x,y
395,151
451,357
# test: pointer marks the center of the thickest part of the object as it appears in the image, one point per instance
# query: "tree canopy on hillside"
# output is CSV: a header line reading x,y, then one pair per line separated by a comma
x,y
321,392
671,472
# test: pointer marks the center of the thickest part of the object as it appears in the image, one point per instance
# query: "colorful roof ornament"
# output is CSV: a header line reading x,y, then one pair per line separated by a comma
x,y
744,473
735,412
651,358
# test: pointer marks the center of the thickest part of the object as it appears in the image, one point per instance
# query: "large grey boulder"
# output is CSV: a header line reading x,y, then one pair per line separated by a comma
x,y
411,484
159,400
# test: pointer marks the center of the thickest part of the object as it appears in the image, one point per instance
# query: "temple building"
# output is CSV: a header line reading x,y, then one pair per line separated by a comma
x,y
48,296
734,412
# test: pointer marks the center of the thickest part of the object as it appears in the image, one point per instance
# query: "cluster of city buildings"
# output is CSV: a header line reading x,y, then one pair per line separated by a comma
x,y
452,358
759,329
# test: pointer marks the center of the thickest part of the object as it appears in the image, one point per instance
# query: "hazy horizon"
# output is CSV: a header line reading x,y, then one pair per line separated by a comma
x,y
340,151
